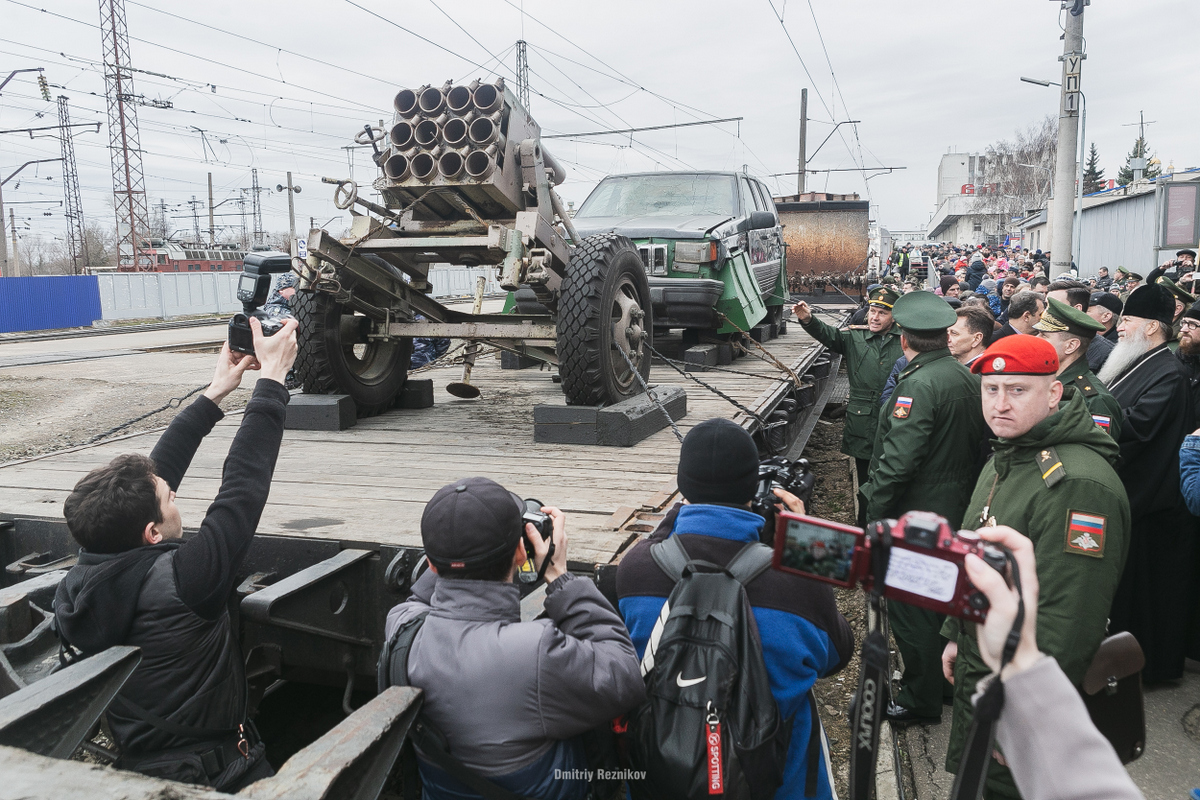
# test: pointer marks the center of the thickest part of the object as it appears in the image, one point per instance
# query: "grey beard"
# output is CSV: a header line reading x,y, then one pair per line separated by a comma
x,y
1126,351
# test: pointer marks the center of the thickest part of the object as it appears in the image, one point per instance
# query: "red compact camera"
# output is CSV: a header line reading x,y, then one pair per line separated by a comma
x,y
924,565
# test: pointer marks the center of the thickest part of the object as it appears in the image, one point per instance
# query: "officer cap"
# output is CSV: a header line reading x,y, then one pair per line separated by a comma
x,y
884,297
1173,288
923,311
1187,251
1059,316
1018,355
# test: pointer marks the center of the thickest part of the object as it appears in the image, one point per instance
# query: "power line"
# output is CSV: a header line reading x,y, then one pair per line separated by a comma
x,y
640,130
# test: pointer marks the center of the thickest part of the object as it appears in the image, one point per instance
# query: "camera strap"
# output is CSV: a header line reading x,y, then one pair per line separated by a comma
x,y
871,700
981,739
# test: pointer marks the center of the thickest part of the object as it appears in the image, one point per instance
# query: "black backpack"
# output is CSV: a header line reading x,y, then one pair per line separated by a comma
x,y
710,725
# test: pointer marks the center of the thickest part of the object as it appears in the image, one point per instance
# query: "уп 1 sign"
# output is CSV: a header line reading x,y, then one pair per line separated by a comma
x,y
1181,215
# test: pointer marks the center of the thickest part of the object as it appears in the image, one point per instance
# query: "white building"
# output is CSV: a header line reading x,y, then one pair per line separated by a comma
x,y
960,178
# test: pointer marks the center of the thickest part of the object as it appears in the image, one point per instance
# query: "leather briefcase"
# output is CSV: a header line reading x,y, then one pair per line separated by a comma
x,y
1112,692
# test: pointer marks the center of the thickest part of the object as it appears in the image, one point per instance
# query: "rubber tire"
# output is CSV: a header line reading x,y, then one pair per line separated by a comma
x,y
323,368
599,265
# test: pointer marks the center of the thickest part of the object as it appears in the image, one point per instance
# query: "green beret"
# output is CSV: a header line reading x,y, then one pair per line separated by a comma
x,y
923,312
1059,316
1170,285
884,296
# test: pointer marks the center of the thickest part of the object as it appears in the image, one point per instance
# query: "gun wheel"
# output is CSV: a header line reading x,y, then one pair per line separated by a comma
x,y
336,357
604,311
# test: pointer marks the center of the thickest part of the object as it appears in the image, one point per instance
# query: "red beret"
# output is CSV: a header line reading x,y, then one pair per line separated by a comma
x,y
1018,355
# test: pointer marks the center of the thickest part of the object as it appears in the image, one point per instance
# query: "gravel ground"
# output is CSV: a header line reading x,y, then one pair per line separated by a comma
x,y
834,499
41,415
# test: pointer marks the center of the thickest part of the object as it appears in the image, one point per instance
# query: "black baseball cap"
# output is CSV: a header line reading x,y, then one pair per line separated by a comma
x,y
471,523
1107,300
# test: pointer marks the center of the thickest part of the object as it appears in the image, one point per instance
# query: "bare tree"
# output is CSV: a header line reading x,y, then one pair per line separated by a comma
x,y
100,241
1019,173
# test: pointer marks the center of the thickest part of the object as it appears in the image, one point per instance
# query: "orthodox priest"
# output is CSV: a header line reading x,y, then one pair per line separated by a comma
x,y
1152,387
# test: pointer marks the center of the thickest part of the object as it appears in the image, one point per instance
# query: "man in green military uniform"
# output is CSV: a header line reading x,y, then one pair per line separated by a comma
x,y
1070,331
1052,479
870,351
925,458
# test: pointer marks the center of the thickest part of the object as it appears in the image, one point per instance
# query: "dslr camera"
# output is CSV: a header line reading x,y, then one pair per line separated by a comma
x,y
254,287
924,566
779,473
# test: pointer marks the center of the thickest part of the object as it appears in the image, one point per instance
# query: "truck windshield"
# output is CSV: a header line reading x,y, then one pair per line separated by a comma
x,y
669,195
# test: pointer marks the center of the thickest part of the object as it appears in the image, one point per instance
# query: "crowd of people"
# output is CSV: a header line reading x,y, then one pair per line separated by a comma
x,y
1054,416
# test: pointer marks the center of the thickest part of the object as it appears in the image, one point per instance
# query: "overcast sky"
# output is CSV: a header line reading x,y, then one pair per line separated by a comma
x,y
923,76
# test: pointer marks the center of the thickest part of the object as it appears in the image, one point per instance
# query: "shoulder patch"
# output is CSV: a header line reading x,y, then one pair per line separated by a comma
x,y
1085,534
1086,387
1102,422
1051,467
903,407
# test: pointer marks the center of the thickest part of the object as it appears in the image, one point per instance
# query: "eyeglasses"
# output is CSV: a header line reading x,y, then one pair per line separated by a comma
x,y
1189,325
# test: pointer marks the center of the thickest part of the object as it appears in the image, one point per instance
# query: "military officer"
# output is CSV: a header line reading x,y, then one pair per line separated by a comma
x,y
1070,331
926,457
869,351
1053,479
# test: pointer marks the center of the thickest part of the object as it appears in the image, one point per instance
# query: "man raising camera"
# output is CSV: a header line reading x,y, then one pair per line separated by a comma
x,y
1052,479
182,714
511,698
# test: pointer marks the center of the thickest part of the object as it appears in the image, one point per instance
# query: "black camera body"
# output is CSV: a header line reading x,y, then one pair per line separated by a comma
x,y
779,473
534,515
254,287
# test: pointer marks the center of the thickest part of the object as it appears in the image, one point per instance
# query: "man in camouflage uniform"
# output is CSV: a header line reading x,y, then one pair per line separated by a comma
x,y
926,457
869,352
1070,331
1052,479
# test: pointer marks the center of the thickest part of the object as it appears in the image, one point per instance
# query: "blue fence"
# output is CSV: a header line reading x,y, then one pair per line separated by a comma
x,y
46,303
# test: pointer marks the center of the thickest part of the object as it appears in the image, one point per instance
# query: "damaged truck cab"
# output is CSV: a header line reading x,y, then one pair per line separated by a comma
x,y
711,244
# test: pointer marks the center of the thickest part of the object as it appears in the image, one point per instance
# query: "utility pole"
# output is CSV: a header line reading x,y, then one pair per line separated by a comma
x,y
16,256
129,182
256,207
4,270
803,141
522,74
1065,168
291,190
241,201
73,205
212,228
195,204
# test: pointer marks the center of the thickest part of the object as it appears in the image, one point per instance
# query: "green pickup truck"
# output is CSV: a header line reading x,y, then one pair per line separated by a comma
x,y
711,244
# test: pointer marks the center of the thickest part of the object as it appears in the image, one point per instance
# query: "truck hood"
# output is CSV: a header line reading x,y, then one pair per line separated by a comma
x,y
652,227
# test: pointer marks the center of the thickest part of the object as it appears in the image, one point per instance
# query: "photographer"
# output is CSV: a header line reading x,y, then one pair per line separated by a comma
x,y
182,714
1052,478
1048,739
803,635
511,698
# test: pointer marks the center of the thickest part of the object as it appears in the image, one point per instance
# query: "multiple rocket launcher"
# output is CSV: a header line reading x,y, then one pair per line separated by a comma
x,y
467,137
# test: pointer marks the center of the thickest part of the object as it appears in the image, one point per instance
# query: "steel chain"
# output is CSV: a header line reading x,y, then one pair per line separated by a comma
x,y
653,397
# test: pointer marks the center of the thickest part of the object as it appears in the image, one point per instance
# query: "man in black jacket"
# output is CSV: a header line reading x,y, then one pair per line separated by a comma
x,y
182,714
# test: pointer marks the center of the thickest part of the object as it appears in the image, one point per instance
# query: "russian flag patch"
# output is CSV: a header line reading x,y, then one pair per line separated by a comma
x,y
903,407
1085,534
1102,421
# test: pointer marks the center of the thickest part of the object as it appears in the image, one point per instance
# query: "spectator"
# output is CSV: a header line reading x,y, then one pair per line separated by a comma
x,y
976,272
1152,388
1105,308
1072,333
1007,289
182,714
1102,280
970,334
1040,284
1189,353
1024,309
511,698
1048,739
803,635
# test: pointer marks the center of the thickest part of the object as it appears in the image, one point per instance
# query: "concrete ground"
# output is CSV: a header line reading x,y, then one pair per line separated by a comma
x,y
1169,770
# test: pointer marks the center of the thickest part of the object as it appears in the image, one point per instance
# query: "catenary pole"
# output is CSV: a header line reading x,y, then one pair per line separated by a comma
x,y
1065,169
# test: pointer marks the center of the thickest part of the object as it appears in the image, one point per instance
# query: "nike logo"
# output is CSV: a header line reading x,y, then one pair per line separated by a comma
x,y
683,682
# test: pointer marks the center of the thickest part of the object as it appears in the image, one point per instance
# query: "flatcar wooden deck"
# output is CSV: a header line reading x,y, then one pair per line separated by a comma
x,y
371,483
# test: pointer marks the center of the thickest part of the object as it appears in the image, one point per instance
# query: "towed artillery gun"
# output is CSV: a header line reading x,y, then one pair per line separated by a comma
x,y
466,181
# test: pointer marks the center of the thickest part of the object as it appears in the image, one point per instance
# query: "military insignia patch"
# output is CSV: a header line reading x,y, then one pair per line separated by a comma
x,y
903,407
1102,421
1085,534
998,365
